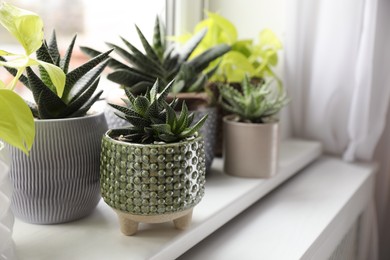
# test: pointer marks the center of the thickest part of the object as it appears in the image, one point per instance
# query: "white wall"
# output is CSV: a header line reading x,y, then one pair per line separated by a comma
x,y
251,16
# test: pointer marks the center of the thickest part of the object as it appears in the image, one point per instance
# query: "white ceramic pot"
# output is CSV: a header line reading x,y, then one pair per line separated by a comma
x,y
250,150
6,216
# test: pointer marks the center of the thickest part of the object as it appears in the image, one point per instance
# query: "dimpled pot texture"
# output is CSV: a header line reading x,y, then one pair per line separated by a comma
x,y
59,181
152,179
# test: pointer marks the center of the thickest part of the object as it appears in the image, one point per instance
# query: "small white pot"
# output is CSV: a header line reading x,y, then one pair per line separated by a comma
x,y
250,150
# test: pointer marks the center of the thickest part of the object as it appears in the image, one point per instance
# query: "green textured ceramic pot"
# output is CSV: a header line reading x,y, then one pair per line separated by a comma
x,y
152,183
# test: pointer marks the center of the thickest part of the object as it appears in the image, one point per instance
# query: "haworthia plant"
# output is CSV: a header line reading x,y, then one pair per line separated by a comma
x,y
163,61
155,120
80,85
257,102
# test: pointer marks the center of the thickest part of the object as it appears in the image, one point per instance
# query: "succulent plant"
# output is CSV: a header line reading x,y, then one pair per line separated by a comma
x,y
153,119
257,102
162,61
80,85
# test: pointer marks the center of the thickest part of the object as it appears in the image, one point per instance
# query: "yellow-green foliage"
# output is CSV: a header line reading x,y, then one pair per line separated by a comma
x,y
255,58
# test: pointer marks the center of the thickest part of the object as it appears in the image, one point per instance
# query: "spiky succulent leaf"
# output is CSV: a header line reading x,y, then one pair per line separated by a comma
x,y
256,103
80,84
53,49
158,39
85,83
42,94
76,74
191,45
160,61
64,61
113,63
153,119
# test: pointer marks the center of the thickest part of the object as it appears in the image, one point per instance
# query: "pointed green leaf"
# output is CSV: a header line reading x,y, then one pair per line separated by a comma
x,y
73,76
57,76
125,110
141,105
53,49
148,49
43,94
203,60
85,82
128,77
192,130
191,45
64,62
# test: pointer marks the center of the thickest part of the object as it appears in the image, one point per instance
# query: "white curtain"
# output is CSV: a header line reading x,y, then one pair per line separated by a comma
x,y
337,68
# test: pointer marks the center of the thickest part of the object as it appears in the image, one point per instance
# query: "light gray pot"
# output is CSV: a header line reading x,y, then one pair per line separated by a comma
x,y
59,181
250,150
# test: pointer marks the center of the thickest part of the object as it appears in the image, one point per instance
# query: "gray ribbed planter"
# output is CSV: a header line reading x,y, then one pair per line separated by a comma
x,y
113,121
6,217
208,131
59,181
152,183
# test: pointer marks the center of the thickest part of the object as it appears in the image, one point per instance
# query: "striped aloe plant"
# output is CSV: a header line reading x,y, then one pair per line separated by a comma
x,y
80,86
163,61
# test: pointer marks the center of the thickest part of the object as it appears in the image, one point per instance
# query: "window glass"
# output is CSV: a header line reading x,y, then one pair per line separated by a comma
x,y
95,22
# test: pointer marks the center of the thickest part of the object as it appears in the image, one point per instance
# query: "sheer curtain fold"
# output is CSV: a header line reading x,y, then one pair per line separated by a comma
x,y
337,72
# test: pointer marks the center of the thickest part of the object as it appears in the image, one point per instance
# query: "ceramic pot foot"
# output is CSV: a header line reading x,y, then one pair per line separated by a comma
x,y
128,226
183,222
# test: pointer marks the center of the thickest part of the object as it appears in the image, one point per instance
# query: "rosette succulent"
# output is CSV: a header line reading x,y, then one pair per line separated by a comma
x,y
153,119
257,102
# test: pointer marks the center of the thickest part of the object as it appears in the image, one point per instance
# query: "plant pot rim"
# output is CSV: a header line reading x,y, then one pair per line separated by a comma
x,y
229,119
91,115
107,136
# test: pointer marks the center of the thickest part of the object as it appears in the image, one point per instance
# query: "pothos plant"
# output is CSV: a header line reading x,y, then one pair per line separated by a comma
x,y
246,56
62,94
16,120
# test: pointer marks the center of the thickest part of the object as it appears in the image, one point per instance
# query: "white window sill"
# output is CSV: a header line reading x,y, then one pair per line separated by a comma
x,y
98,236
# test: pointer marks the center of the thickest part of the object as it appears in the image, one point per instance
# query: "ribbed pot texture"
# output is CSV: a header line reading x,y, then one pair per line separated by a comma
x,y
208,131
152,179
250,150
6,217
59,181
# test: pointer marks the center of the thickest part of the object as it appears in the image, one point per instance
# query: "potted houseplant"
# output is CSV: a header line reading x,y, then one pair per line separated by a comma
x,y
164,61
59,180
16,129
250,144
154,170
246,57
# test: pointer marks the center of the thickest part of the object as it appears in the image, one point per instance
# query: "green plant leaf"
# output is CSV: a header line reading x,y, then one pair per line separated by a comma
x,y
16,121
25,26
57,76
